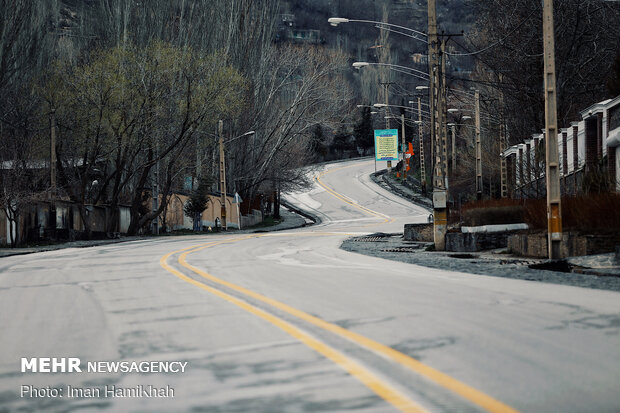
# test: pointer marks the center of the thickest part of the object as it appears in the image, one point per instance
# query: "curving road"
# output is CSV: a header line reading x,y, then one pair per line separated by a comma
x,y
287,322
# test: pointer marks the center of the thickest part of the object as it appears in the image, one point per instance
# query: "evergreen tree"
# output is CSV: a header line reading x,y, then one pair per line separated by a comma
x,y
364,131
341,141
317,144
198,202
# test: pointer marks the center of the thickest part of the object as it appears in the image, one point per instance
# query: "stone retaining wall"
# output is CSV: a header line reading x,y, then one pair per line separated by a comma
x,y
535,245
418,232
476,241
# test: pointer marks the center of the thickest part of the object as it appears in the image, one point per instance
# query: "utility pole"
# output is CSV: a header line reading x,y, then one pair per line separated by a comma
x,y
53,153
387,120
478,146
421,137
403,150
220,130
503,146
453,128
503,142
440,216
198,159
155,201
53,189
552,176
444,115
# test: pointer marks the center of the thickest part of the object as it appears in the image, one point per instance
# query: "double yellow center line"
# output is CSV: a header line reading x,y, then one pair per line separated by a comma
x,y
370,380
386,219
377,385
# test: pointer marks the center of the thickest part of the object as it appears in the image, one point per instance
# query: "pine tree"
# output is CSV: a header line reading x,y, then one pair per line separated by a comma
x,y
364,132
198,202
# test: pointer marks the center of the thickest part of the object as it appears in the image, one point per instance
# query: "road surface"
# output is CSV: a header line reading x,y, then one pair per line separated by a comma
x,y
288,322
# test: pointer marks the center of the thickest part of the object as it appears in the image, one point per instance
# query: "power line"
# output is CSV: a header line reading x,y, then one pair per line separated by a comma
x,y
494,44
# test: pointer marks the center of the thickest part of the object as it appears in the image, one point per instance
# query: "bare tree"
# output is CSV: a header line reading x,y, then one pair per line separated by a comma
x,y
298,88
509,34
129,112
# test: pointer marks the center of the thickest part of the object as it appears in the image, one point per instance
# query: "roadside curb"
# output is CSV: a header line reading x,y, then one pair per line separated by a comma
x,y
413,197
306,214
61,246
8,252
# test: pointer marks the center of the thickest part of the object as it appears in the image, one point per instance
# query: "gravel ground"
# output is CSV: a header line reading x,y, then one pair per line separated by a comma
x,y
486,263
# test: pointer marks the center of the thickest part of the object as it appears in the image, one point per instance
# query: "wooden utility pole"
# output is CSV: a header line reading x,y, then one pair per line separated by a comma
x,y
552,176
421,137
478,146
220,131
440,216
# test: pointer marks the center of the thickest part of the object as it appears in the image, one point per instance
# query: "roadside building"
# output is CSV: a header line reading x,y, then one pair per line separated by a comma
x,y
588,147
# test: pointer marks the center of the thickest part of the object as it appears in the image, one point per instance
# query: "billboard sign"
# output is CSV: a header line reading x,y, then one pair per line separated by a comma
x,y
386,144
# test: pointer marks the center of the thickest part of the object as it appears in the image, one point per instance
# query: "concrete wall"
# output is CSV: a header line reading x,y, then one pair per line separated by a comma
x,y
535,245
476,241
418,232
176,218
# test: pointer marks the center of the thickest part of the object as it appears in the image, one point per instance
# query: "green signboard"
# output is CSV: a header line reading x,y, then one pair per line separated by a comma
x,y
386,144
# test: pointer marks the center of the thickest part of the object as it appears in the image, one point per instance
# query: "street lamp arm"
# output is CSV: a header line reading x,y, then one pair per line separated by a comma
x,y
240,136
228,140
412,36
407,108
334,21
393,66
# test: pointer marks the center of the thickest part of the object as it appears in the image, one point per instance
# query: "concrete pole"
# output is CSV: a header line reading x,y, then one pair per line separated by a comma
x,y
198,159
453,149
552,176
444,116
53,154
220,131
53,190
478,147
421,137
440,216
404,169
503,143
155,221
387,119
504,169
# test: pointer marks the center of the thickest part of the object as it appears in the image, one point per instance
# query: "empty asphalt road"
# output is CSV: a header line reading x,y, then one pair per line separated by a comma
x,y
288,322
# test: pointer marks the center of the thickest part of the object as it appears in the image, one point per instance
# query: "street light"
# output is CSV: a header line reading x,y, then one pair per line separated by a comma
x,y
223,169
335,21
406,108
398,68
414,34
